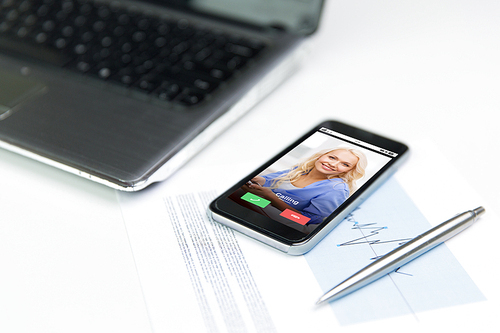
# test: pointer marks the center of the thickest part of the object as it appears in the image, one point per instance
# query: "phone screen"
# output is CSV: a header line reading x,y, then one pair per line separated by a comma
x,y
295,193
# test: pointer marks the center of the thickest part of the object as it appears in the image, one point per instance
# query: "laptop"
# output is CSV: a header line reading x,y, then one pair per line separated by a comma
x,y
125,92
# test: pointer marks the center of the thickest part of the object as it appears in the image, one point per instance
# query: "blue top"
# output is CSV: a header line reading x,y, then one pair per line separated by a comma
x,y
316,201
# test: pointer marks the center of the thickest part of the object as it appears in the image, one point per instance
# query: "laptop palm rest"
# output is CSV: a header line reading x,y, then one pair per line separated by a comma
x,y
16,89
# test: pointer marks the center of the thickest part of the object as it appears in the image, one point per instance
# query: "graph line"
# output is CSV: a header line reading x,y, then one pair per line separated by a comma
x,y
372,230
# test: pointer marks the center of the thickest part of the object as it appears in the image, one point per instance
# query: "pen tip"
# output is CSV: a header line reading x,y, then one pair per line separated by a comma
x,y
321,300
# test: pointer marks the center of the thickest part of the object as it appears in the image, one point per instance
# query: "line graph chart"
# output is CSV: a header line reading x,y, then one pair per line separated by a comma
x,y
371,234
384,221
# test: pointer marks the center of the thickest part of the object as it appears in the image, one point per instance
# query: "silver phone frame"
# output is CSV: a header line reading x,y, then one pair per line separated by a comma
x,y
303,247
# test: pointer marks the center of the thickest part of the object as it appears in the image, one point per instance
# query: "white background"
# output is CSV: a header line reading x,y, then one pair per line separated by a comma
x,y
412,70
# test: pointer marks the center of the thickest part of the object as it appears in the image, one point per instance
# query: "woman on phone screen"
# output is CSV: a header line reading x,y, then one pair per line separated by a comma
x,y
315,187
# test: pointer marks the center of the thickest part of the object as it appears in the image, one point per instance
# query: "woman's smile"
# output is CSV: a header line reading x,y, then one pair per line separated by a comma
x,y
336,162
327,167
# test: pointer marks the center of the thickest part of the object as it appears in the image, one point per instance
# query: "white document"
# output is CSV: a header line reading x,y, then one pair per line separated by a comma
x,y
223,285
200,276
384,221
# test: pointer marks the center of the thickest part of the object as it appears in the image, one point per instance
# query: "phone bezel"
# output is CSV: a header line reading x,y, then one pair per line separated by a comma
x,y
230,210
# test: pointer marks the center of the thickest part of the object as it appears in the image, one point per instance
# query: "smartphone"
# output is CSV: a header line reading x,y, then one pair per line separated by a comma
x,y
295,199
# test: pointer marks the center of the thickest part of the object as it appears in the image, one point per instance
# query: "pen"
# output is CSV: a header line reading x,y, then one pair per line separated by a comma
x,y
403,254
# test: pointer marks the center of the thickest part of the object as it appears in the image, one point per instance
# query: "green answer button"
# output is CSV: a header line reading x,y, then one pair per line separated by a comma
x,y
255,199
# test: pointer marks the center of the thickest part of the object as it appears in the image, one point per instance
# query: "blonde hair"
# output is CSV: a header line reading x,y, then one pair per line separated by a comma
x,y
303,168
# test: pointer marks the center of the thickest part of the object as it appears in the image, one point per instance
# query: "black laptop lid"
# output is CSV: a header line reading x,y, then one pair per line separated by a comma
x,y
294,16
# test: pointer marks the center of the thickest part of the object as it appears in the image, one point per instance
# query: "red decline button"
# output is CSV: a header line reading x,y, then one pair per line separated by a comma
x,y
294,216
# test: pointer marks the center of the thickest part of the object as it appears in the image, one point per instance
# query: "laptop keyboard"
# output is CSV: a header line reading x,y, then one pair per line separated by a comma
x,y
169,60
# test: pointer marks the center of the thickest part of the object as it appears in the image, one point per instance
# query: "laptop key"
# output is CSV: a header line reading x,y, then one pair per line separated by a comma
x,y
167,91
190,96
167,59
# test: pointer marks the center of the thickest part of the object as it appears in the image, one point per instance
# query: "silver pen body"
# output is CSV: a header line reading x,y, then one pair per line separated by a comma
x,y
403,254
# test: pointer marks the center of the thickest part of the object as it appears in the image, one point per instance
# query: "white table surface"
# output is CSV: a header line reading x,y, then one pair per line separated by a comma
x,y
425,70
